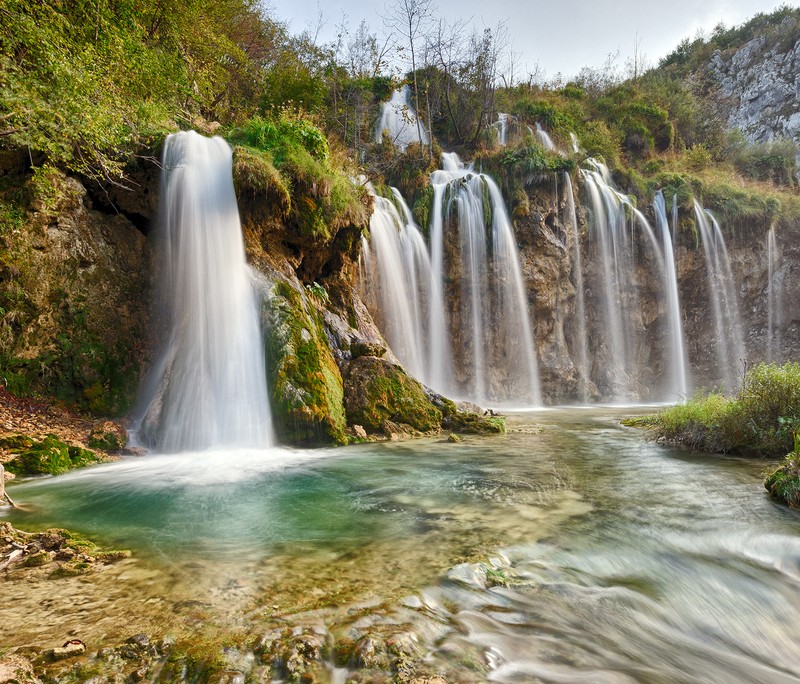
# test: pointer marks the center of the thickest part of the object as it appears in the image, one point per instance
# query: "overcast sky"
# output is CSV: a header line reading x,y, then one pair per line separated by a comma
x,y
561,36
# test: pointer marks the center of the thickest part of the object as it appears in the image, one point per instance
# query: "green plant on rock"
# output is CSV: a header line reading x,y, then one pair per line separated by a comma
x,y
50,456
305,382
379,392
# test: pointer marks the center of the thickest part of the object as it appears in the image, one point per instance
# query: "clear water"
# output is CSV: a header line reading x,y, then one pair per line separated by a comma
x,y
630,561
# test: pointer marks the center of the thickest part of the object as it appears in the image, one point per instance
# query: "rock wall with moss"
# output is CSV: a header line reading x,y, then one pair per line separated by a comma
x,y
74,290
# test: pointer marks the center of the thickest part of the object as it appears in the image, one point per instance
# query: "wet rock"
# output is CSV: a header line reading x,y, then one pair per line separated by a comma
x,y
230,677
307,392
453,438
359,431
71,648
358,349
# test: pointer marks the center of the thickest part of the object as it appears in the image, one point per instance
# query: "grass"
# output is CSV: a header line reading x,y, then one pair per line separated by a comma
x,y
761,420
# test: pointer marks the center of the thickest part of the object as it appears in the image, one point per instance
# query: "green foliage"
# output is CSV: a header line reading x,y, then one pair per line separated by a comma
x,y
50,456
784,482
281,137
774,161
762,419
256,177
290,159
85,84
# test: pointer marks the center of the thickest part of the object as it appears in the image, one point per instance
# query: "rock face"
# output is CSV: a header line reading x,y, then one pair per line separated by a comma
x,y
74,284
757,85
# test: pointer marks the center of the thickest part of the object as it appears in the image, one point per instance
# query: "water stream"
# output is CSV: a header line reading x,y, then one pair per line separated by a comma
x,y
627,561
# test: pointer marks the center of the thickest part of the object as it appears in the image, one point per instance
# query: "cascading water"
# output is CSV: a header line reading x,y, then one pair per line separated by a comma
x,y
501,126
406,298
208,388
627,255
492,357
678,386
499,351
729,337
582,343
400,121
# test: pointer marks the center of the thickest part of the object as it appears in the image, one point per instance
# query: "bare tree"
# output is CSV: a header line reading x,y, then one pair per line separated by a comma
x,y
410,19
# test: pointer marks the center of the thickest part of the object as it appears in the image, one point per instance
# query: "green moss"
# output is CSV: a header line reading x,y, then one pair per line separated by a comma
x,y
50,456
306,385
256,178
379,392
107,437
469,423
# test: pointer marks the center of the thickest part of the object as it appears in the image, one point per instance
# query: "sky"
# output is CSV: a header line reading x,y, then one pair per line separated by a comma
x,y
557,36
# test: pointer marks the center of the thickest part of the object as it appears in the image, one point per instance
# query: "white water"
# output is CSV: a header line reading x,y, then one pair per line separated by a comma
x,y
495,355
729,336
501,126
399,119
678,387
406,298
500,350
208,388
632,258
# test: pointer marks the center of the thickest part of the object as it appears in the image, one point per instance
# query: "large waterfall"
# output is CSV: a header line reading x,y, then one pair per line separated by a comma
x,y
456,309
208,387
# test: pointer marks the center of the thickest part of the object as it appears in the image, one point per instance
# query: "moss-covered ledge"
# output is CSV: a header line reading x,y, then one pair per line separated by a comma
x,y
305,382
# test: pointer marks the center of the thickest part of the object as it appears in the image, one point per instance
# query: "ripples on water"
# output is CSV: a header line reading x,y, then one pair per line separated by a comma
x,y
628,561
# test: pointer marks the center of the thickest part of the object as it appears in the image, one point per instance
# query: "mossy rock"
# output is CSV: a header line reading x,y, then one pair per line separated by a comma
x,y
305,382
50,456
16,443
378,391
108,437
783,484
467,422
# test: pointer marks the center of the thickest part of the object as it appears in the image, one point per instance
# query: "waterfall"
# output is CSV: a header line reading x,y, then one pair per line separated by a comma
x,y
678,386
482,348
499,352
406,299
774,299
626,252
571,219
208,388
501,126
729,337
544,139
400,120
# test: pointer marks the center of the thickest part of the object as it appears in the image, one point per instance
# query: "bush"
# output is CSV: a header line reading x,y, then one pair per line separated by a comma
x,y
784,482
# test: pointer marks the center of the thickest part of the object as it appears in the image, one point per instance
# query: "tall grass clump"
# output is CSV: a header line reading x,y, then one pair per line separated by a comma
x,y
762,419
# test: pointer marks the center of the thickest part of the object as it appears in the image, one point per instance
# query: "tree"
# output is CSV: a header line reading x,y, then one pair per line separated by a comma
x,y
411,19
